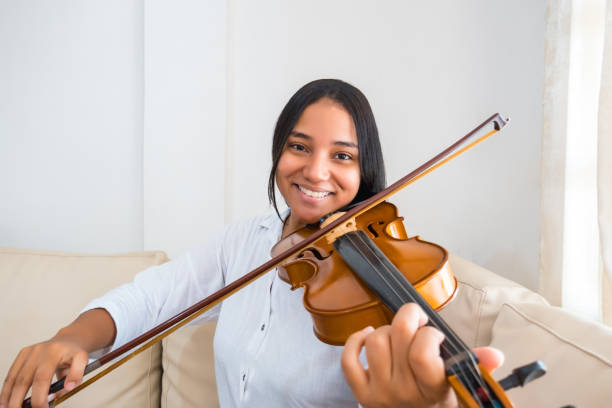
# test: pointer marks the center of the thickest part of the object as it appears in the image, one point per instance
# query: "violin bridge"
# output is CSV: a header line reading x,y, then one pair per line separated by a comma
x,y
348,226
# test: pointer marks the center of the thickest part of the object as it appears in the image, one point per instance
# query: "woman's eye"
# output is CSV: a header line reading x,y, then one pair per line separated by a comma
x,y
343,156
297,146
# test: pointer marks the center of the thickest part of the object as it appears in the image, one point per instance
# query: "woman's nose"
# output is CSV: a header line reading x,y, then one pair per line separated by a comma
x,y
317,169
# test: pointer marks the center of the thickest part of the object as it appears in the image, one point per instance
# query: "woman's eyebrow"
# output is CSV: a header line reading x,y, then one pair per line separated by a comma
x,y
338,142
347,144
300,135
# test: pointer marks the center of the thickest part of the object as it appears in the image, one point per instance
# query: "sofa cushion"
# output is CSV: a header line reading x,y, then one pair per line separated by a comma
x,y
188,368
479,299
41,292
576,351
491,310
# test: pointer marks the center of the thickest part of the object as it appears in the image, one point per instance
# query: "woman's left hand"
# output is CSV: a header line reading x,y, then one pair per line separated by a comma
x,y
404,364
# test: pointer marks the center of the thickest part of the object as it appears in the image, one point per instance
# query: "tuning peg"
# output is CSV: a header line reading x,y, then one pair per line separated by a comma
x,y
523,375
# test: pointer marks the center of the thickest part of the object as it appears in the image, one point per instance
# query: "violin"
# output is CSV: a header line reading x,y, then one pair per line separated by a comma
x,y
362,273
339,304
428,270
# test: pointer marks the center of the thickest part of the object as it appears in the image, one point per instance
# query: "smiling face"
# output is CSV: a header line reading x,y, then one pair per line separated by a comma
x,y
318,171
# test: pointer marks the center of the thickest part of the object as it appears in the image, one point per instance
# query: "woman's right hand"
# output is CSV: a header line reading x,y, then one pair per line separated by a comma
x,y
34,367
65,354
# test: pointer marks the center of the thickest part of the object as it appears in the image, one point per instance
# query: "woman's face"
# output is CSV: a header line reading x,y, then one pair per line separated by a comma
x,y
318,171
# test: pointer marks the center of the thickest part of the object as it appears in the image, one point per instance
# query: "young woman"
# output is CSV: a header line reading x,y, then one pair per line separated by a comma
x,y
326,154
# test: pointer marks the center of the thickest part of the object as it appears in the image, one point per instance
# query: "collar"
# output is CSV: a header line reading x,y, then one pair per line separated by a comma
x,y
274,225
271,221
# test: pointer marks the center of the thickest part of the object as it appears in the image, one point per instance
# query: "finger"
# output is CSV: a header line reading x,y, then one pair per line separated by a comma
x,y
22,383
9,380
356,376
40,385
61,372
43,375
427,364
490,358
378,353
406,322
75,373
411,311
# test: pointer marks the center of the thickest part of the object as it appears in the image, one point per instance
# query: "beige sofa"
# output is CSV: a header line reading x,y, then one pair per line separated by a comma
x,y
41,291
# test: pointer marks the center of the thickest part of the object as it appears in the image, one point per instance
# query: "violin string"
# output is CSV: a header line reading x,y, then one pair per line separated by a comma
x,y
452,344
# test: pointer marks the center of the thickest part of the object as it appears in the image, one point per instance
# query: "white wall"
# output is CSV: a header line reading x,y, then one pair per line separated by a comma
x,y
71,125
213,78
185,87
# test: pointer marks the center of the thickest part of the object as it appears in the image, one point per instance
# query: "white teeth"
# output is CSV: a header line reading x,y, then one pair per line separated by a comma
x,y
315,194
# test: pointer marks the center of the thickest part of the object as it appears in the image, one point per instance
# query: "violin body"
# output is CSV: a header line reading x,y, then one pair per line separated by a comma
x,y
341,304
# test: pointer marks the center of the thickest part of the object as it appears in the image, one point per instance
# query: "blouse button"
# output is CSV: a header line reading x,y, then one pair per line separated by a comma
x,y
263,326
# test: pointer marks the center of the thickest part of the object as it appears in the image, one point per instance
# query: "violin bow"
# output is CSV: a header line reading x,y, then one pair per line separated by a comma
x,y
483,131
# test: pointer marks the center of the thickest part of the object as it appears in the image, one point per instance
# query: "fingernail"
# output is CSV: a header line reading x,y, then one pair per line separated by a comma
x,y
69,385
368,329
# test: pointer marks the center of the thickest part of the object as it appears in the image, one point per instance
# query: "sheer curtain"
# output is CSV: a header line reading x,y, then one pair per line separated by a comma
x,y
576,200
604,168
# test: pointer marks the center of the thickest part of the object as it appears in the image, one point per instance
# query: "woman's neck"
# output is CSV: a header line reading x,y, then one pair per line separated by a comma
x,y
291,225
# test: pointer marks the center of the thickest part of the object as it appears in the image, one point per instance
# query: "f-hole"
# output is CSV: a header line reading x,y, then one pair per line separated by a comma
x,y
373,231
314,252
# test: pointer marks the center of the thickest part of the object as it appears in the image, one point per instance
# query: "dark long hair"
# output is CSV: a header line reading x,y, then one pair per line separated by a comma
x,y
371,164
